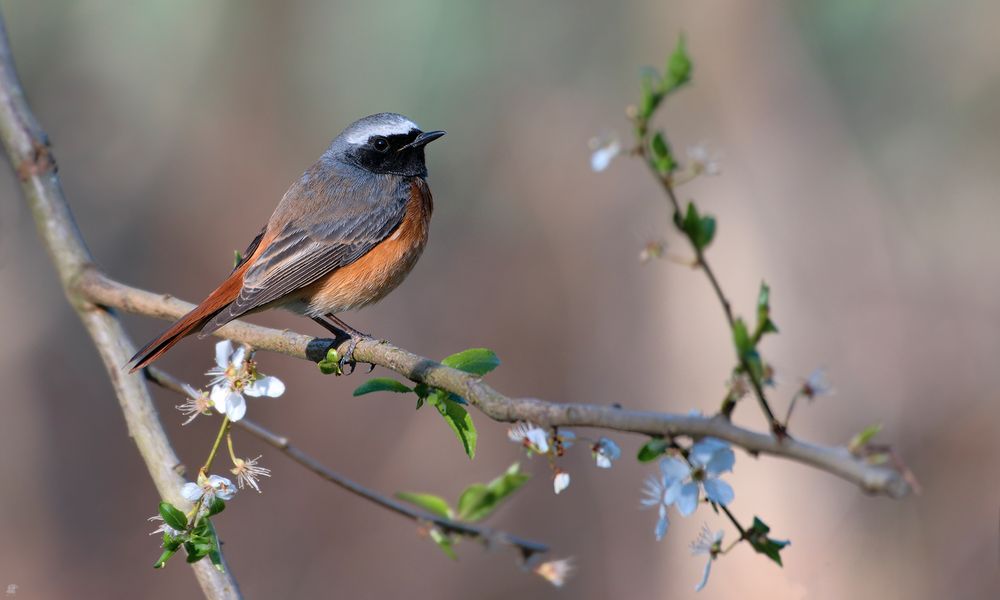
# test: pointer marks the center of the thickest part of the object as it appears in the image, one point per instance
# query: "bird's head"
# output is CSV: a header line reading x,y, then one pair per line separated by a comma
x,y
384,143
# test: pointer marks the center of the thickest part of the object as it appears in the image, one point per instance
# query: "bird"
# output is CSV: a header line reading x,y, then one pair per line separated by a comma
x,y
343,236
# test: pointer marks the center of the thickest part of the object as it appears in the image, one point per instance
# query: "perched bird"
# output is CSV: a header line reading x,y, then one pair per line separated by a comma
x,y
343,236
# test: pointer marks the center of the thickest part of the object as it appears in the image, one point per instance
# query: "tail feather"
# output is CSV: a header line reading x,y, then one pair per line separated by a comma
x,y
185,326
192,322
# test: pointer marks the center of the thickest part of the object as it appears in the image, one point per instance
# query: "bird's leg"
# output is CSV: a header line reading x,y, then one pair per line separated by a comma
x,y
339,329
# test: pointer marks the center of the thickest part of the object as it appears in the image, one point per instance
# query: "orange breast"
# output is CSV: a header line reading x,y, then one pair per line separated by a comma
x,y
384,267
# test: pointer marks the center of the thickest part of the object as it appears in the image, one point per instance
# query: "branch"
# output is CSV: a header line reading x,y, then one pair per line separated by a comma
x,y
99,289
527,548
28,150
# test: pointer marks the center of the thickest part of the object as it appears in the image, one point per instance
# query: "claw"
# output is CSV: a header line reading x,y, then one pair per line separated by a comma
x,y
348,357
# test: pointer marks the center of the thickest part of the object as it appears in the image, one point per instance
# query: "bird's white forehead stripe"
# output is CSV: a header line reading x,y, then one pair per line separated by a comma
x,y
361,135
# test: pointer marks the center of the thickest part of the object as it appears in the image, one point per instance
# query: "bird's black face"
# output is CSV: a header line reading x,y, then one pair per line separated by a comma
x,y
395,153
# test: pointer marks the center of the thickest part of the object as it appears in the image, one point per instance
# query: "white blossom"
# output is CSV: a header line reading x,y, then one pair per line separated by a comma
x,y
530,436
235,375
561,481
707,544
556,572
247,473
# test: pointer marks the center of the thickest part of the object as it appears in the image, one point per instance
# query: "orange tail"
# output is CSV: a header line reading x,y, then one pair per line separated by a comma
x,y
191,322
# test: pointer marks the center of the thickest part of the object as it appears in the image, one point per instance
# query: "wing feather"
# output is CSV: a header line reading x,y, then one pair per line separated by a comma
x,y
329,235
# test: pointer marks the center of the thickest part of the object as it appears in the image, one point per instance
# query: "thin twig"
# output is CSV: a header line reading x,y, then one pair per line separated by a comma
x,y
665,182
98,288
527,548
27,148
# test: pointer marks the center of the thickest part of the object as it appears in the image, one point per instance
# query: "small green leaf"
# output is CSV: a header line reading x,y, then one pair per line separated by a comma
x,y
436,505
705,232
173,516
757,536
195,552
741,338
479,500
652,449
444,542
381,384
331,364
475,502
860,440
420,402
476,361
217,506
764,323
663,158
650,92
678,67
162,561
457,418
699,229
237,258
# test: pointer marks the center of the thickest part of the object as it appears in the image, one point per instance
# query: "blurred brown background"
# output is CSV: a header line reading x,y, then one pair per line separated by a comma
x,y
861,146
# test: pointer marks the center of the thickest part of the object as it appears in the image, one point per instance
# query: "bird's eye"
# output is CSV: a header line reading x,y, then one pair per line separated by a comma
x,y
380,144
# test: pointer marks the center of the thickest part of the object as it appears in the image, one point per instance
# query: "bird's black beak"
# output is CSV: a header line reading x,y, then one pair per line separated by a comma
x,y
423,139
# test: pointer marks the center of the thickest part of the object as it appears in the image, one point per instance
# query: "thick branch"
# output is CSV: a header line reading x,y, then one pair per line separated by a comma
x,y
99,289
488,536
27,148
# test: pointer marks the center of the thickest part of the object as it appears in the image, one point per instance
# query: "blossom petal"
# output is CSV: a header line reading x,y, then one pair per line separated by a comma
x,y
238,357
603,156
236,407
718,490
722,460
687,502
539,440
674,469
272,387
223,350
219,397
703,451
661,524
561,481
191,491
673,491
704,576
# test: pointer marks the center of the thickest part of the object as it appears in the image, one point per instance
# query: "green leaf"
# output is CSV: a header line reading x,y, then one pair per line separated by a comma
x,y
741,338
479,500
382,384
860,440
215,552
457,418
164,557
764,323
217,506
436,505
195,553
652,449
650,92
444,542
237,258
678,67
699,229
663,158
770,547
331,364
475,502
476,361
173,516
705,232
